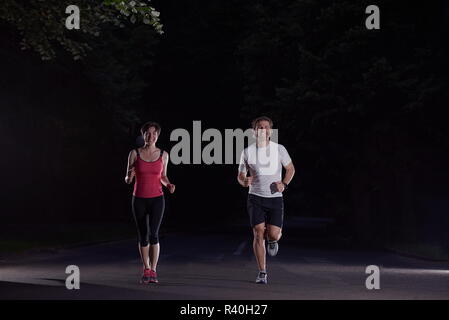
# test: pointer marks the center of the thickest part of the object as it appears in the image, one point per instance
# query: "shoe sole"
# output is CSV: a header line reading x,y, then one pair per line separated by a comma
x,y
262,281
271,254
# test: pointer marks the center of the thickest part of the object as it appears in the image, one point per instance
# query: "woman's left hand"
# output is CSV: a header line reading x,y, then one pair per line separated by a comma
x,y
171,187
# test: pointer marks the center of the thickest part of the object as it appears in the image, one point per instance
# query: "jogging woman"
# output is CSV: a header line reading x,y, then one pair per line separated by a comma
x,y
149,166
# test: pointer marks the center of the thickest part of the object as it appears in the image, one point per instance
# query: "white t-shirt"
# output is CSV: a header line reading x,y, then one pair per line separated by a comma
x,y
265,166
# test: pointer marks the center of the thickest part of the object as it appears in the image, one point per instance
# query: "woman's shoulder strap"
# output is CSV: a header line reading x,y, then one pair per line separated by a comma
x,y
137,151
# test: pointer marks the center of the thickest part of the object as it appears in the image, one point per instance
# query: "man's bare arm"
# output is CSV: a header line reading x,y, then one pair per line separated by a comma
x,y
289,173
244,180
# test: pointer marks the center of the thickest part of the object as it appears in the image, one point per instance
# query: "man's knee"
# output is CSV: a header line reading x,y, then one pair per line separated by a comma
x,y
274,234
259,233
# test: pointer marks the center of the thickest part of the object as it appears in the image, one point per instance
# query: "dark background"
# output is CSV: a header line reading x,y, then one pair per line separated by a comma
x,y
362,113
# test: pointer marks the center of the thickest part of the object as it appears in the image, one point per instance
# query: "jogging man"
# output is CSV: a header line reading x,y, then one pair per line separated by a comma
x,y
263,161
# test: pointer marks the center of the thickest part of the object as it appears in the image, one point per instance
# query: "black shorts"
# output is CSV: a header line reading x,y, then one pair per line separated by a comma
x,y
148,213
268,210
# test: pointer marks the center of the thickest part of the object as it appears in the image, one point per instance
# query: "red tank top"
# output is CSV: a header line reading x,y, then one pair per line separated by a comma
x,y
148,177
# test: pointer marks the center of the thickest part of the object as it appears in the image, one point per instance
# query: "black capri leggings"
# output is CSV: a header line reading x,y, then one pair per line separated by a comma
x,y
148,214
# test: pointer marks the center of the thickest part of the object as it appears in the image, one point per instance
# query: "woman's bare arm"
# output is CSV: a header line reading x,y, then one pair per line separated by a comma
x,y
130,171
164,178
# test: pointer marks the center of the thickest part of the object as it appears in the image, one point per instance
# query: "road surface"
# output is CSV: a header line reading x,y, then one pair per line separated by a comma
x,y
214,265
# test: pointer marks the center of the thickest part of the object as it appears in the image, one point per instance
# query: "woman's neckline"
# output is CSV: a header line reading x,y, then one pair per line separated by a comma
x,y
138,155
149,161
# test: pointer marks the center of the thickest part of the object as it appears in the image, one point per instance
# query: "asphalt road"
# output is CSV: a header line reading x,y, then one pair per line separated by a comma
x,y
214,265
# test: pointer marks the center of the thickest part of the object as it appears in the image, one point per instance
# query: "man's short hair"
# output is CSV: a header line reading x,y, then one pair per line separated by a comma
x,y
150,124
262,118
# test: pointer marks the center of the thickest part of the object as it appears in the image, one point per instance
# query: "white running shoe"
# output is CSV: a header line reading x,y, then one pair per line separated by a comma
x,y
262,278
272,248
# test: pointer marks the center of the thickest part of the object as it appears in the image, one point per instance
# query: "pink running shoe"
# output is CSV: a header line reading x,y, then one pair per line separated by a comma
x,y
146,275
153,277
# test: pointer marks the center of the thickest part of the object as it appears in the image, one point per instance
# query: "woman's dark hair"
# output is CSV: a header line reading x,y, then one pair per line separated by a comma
x,y
150,124
262,118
